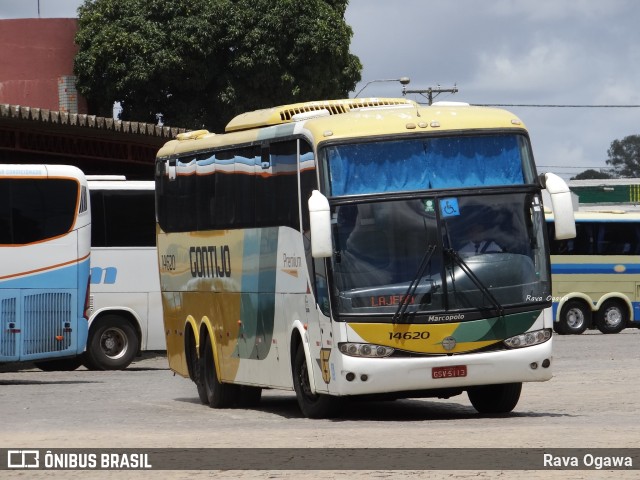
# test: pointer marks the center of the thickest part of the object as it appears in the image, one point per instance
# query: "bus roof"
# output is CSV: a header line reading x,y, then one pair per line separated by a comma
x,y
106,183
605,215
287,113
41,170
336,119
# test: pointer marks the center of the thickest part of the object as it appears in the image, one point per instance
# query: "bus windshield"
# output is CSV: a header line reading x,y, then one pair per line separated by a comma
x,y
439,255
33,210
427,163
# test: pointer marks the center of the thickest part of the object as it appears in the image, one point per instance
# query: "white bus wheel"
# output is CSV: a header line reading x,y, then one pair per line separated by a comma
x,y
613,316
112,345
575,318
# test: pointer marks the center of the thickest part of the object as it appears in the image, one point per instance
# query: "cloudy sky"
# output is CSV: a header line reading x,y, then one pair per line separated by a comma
x,y
548,55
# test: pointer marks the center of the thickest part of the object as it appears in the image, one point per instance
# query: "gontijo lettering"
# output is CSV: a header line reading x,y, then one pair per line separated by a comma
x,y
210,261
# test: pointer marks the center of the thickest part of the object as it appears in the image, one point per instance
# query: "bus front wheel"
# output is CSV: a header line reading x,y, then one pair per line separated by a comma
x,y
219,395
613,317
493,399
575,317
112,345
311,404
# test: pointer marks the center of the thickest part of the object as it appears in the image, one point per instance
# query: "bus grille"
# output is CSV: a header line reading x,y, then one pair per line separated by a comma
x,y
7,318
45,317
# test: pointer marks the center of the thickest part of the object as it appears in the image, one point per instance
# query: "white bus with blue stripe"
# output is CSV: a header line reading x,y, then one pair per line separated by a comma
x,y
125,307
45,244
596,276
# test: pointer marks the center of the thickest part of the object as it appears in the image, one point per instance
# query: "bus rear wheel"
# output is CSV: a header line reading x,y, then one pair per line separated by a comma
x,y
112,345
612,317
575,317
194,365
311,404
219,395
493,399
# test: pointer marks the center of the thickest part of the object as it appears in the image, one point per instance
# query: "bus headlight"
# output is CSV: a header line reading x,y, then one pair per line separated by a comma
x,y
365,350
528,339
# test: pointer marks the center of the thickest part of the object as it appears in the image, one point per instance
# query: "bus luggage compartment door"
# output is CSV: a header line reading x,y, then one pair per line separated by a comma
x,y
9,325
44,323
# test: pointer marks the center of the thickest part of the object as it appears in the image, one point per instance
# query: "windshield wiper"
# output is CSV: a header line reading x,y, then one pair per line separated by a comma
x,y
400,314
474,278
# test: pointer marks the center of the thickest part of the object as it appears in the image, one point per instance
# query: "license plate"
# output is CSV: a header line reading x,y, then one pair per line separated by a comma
x,y
449,372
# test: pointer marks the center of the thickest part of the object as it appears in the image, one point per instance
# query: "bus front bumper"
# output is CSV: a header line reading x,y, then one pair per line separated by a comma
x,y
363,376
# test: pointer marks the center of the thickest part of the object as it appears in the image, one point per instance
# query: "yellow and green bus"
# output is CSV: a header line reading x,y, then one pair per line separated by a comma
x,y
318,248
596,276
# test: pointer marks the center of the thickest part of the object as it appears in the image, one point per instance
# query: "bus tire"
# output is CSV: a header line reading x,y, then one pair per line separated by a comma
x,y
494,399
311,404
59,365
218,394
575,318
612,317
194,365
112,345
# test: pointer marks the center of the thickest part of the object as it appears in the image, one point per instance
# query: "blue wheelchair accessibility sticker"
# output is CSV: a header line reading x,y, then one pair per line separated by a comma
x,y
449,207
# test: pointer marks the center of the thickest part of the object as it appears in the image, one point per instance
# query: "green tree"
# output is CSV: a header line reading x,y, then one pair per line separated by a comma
x,y
201,62
592,174
624,156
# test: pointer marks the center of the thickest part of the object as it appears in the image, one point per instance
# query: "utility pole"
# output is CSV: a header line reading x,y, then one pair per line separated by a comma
x,y
429,92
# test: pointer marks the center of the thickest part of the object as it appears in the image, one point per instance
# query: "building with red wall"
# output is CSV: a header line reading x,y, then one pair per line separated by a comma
x,y
36,64
44,120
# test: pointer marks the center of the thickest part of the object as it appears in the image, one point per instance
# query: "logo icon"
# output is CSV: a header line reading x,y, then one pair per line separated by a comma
x,y
23,458
449,343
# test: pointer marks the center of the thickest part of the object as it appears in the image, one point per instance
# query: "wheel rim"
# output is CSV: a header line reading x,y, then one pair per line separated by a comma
x,y
575,318
612,317
114,343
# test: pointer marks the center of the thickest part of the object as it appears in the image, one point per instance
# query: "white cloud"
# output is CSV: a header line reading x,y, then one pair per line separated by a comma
x,y
558,10
541,70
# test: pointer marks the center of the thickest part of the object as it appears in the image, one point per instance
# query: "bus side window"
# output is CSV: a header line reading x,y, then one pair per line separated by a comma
x,y
563,247
586,238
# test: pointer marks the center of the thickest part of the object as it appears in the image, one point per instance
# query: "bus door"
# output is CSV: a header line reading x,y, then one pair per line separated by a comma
x,y
319,327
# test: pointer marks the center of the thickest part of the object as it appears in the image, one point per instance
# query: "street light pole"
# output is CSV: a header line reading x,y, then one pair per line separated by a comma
x,y
403,80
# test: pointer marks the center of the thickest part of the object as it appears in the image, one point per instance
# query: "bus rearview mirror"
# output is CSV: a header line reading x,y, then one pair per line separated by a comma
x,y
320,221
561,204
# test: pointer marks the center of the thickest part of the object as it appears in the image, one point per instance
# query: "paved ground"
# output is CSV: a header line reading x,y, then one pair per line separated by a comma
x,y
592,402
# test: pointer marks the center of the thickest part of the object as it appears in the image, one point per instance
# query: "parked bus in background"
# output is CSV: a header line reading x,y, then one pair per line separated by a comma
x,y
45,239
126,310
318,248
596,276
